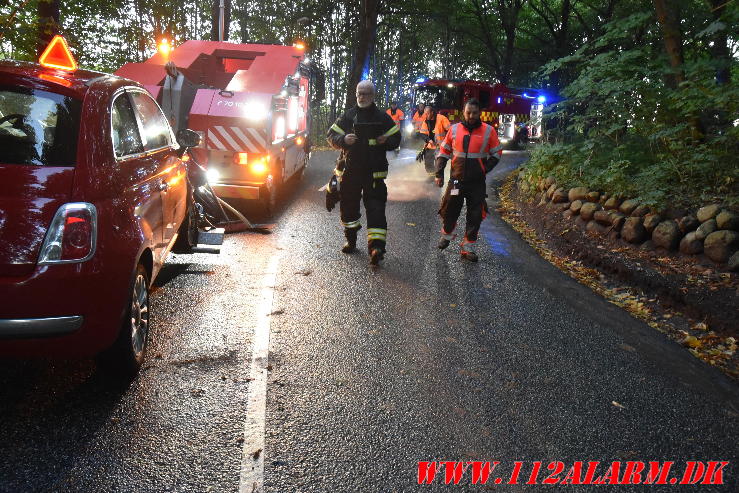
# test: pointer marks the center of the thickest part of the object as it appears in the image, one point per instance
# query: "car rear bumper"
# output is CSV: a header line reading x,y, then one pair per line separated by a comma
x,y
72,310
25,328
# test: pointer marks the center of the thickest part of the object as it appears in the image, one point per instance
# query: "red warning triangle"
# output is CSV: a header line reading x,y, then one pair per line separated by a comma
x,y
57,55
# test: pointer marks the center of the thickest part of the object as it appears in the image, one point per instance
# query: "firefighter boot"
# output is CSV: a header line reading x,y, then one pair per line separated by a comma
x,y
467,251
351,240
376,255
445,240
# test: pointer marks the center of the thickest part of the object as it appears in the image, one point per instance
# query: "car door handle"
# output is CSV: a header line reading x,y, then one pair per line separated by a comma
x,y
164,186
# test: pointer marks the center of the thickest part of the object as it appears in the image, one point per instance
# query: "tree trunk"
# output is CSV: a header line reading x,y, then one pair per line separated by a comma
x,y
215,14
48,23
367,31
720,49
668,21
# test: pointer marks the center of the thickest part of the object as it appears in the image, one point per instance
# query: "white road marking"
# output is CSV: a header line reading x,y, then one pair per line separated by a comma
x,y
251,477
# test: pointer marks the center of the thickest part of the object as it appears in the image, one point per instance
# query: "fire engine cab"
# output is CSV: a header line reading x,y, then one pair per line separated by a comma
x,y
499,104
249,103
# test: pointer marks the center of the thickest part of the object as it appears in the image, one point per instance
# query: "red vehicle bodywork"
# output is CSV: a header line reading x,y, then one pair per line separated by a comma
x,y
496,99
228,81
140,202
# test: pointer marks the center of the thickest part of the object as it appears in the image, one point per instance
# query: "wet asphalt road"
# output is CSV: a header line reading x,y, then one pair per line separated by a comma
x,y
371,369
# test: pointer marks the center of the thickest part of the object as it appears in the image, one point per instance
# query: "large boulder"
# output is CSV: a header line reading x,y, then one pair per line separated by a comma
x,y
720,245
588,209
612,203
688,223
691,245
550,191
593,196
633,230
706,229
577,193
617,220
575,206
651,221
640,211
708,212
550,180
667,235
628,206
559,196
602,217
728,220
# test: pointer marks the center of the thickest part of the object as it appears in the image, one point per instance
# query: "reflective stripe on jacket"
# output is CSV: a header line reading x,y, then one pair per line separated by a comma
x,y
483,144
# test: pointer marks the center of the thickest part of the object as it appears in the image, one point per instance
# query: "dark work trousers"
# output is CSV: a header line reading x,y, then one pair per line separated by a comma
x,y
429,156
451,205
374,194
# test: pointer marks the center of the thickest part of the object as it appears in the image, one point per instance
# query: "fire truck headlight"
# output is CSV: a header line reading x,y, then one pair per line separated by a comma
x,y
255,112
408,128
213,175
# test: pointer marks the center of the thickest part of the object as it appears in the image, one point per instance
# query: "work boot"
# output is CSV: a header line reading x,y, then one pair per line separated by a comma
x,y
444,240
467,252
376,255
351,241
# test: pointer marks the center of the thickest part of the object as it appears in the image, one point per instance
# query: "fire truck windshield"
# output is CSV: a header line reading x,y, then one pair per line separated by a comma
x,y
438,96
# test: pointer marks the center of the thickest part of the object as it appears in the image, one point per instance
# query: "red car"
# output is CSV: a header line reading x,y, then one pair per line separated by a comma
x,y
93,193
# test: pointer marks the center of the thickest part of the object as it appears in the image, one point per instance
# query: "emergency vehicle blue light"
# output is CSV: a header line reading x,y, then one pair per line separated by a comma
x,y
420,79
499,99
541,99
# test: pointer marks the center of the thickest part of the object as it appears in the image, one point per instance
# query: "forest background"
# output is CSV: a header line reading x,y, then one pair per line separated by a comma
x,y
648,99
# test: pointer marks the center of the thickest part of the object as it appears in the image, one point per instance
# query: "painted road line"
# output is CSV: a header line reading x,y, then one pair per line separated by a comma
x,y
251,477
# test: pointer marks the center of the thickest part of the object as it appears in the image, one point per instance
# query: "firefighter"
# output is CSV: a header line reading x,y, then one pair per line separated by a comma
x,y
397,115
363,134
474,150
433,129
418,117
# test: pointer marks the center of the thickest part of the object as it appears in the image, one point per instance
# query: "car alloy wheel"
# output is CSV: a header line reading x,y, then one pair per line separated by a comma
x,y
139,315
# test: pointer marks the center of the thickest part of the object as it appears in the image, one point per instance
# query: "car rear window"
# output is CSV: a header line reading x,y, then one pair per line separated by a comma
x,y
38,128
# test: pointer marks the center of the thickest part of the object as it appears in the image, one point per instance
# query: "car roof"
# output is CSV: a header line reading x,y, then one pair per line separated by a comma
x,y
73,83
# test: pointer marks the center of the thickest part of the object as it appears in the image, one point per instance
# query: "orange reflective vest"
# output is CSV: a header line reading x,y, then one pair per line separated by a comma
x,y
417,120
440,129
397,117
483,144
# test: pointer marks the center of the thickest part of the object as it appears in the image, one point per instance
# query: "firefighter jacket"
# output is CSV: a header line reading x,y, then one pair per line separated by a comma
x,y
366,158
397,115
473,150
439,127
417,120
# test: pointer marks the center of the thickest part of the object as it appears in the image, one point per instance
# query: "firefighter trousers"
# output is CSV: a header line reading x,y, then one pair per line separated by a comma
x,y
374,194
451,206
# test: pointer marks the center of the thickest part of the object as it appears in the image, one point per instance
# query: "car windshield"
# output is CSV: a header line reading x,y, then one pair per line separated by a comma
x,y
443,98
38,128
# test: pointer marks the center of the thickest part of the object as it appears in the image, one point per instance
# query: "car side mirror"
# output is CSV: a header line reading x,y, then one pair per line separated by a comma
x,y
187,138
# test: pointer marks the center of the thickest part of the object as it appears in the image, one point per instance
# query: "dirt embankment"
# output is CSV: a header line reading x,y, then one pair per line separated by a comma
x,y
690,299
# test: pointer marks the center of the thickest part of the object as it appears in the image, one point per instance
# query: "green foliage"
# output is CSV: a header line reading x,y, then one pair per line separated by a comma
x,y
622,129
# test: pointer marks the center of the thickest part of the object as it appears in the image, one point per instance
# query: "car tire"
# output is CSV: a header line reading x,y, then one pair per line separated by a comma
x,y
125,358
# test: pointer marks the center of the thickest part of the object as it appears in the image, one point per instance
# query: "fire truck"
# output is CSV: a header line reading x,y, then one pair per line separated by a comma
x,y
499,104
248,102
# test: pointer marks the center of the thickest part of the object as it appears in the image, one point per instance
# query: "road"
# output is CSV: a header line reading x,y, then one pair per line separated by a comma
x,y
283,365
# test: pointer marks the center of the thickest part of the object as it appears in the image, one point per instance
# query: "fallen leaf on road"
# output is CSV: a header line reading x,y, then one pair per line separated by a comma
x,y
305,272
277,312
453,305
410,224
617,405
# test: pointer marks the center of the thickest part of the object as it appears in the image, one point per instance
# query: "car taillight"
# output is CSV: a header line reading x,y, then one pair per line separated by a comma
x,y
72,236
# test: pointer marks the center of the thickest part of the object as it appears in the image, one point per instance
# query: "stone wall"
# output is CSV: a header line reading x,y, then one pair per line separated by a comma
x,y
712,230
